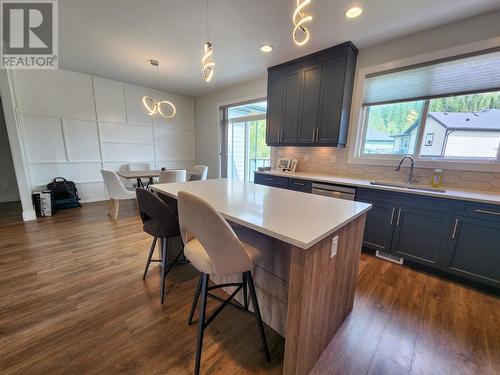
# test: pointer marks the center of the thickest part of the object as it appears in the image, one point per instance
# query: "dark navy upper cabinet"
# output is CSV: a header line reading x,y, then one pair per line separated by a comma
x,y
309,98
275,86
309,104
291,106
333,123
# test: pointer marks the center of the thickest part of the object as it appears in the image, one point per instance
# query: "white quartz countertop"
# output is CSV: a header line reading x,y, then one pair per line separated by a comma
x,y
466,195
297,218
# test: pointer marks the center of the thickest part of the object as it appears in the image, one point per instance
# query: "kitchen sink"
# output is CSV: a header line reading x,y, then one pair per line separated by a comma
x,y
403,185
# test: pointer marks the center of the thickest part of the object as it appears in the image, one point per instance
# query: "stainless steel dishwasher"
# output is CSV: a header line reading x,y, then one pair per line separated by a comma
x,y
334,191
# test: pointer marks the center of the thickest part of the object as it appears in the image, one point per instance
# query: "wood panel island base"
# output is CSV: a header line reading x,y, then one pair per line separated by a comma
x,y
310,245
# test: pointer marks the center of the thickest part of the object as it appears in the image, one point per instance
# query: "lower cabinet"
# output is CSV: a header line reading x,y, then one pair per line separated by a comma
x,y
457,237
474,251
379,226
421,235
460,238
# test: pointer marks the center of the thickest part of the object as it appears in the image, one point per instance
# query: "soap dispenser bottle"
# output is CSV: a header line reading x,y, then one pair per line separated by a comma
x,y
437,178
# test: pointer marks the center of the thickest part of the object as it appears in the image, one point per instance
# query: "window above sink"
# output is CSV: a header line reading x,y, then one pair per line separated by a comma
x,y
443,113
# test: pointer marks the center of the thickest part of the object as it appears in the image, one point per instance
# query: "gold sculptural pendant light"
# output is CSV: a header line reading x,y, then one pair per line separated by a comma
x,y
207,62
164,108
300,34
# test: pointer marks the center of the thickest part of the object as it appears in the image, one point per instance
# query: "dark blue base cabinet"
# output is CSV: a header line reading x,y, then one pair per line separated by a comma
x,y
456,237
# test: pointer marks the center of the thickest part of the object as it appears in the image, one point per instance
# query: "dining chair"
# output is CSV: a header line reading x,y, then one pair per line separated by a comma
x,y
134,167
213,247
159,221
125,181
116,190
172,175
199,172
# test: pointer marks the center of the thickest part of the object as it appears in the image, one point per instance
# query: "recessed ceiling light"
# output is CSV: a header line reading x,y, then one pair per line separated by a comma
x,y
353,12
266,48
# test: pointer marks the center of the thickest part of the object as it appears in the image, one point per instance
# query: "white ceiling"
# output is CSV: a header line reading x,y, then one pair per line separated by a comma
x,y
115,38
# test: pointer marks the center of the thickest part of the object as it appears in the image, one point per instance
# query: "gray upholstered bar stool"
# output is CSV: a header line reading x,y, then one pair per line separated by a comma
x,y
212,247
160,221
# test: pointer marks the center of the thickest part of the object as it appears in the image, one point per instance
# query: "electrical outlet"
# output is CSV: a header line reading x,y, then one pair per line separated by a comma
x,y
334,159
306,157
335,244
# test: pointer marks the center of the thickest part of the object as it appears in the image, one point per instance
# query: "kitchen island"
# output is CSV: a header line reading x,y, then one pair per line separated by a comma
x,y
311,246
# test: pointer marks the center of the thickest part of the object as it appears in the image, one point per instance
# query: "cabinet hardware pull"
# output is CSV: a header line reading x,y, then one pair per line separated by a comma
x,y
454,229
299,183
317,134
268,179
314,134
392,215
487,212
281,135
399,217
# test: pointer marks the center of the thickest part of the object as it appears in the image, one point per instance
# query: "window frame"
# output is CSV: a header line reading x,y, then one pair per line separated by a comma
x,y
358,123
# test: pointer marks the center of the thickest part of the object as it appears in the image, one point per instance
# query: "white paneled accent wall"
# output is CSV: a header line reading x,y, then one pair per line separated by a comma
x,y
72,125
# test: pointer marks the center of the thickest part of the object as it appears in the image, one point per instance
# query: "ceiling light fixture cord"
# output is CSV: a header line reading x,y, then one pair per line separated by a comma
x,y
299,18
207,61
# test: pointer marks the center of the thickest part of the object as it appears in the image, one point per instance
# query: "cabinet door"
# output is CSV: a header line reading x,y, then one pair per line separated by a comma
x,y
474,250
291,108
310,103
421,235
270,180
332,91
274,108
379,226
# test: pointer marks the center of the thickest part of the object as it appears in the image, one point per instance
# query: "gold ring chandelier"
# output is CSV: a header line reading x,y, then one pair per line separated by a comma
x,y
155,106
299,18
208,62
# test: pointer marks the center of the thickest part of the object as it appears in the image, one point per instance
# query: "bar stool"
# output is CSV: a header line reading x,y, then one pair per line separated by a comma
x,y
212,247
160,221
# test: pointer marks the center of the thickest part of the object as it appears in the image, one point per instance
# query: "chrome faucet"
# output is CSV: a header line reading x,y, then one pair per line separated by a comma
x,y
398,168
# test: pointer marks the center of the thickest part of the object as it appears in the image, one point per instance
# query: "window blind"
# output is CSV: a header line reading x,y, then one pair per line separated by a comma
x,y
458,76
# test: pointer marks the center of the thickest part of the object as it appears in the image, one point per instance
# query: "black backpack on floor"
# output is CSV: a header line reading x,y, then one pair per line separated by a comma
x,y
65,193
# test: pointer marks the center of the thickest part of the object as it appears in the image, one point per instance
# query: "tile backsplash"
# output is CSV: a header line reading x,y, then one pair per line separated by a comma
x,y
333,161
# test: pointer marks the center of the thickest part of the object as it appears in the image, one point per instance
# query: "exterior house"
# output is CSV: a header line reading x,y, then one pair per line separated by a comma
x,y
459,134
378,142
454,134
405,141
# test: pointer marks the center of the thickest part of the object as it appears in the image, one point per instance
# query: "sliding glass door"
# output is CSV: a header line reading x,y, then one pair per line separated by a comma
x,y
243,142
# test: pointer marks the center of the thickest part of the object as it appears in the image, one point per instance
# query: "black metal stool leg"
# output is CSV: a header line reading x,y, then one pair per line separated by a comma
x,y
245,292
201,323
249,279
164,261
195,300
149,258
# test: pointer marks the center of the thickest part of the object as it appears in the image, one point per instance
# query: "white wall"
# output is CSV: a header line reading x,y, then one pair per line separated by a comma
x,y
8,184
73,125
206,119
454,34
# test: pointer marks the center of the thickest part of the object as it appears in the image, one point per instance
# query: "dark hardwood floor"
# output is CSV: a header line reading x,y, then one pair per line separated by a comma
x,y
72,301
